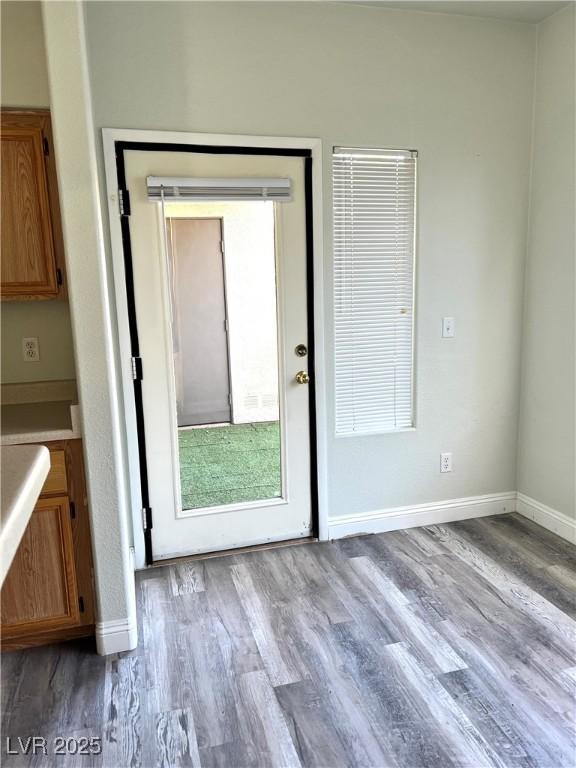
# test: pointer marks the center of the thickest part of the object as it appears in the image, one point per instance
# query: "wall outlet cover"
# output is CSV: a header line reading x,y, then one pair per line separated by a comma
x,y
31,349
445,462
448,327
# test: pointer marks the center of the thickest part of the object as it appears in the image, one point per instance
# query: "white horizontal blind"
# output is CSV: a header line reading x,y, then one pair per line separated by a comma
x,y
374,233
185,190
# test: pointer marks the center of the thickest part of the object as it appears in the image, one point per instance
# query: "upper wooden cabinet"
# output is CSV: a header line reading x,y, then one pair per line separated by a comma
x,y
32,251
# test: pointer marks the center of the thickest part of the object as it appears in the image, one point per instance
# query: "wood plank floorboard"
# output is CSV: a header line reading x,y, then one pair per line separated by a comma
x,y
451,646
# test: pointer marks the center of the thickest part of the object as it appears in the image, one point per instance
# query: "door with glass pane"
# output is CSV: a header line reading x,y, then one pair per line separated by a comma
x,y
221,306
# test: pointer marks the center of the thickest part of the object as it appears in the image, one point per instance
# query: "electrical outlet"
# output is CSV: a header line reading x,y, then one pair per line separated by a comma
x,y
448,327
31,349
445,462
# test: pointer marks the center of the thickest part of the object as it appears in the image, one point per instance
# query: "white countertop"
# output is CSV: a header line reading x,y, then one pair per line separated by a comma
x,y
24,469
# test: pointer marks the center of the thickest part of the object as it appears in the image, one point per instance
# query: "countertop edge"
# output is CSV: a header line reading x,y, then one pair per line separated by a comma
x,y
49,436
22,504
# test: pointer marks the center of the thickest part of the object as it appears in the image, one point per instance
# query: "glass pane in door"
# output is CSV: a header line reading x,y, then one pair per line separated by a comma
x,y
222,270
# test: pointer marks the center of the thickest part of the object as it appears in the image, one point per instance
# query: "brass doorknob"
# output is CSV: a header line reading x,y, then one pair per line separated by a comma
x,y
302,377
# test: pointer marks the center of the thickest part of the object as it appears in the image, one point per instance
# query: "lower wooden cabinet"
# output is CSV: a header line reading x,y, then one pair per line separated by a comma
x,y
48,593
41,593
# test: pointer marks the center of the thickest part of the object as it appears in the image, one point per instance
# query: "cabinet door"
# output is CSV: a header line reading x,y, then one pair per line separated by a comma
x,y
40,593
28,256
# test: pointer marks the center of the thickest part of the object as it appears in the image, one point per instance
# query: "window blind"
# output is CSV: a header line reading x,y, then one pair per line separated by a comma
x,y
186,190
374,238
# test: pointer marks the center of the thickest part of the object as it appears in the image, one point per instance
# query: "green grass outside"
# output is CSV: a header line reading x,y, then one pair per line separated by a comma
x,y
229,464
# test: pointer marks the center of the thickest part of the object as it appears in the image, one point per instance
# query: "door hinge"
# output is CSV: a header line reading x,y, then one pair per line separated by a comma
x,y
72,510
137,369
59,276
146,518
81,604
124,202
222,247
229,398
45,145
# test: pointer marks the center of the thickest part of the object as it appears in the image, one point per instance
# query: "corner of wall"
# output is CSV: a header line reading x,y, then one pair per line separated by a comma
x,y
91,320
545,457
526,259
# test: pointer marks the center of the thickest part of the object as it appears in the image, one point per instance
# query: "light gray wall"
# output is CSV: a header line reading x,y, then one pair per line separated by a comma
x,y
546,457
25,84
50,323
457,89
24,75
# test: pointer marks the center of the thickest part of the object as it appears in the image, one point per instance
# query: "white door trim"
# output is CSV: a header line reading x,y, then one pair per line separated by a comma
x,y
112,135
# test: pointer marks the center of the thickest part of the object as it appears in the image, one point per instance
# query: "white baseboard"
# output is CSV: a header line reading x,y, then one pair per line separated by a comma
x,y
116,636
548,518
415,515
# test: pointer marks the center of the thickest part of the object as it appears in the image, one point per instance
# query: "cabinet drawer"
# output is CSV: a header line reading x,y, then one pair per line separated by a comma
x,y
57,481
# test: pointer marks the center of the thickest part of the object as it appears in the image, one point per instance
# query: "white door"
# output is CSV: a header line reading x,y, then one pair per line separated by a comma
x,y
216,487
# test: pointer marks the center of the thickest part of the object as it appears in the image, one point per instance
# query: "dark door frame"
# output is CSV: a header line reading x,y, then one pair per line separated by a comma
x,y
145,146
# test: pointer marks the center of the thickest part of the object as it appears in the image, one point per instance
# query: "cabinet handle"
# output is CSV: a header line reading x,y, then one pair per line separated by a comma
x,y
72,510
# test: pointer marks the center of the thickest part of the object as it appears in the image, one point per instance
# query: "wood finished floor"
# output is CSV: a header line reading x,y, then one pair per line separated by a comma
x,y
444,646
